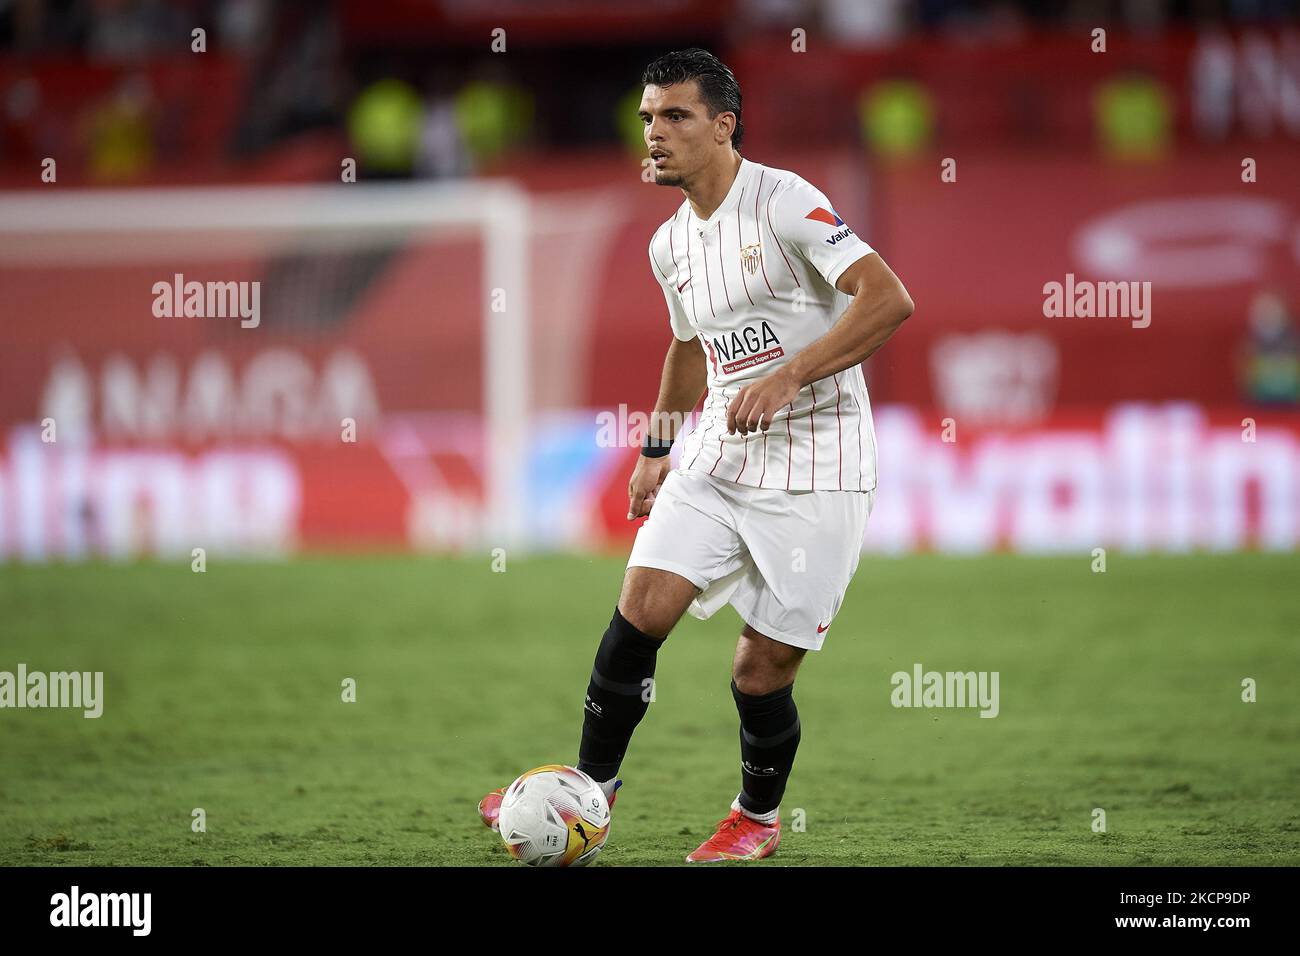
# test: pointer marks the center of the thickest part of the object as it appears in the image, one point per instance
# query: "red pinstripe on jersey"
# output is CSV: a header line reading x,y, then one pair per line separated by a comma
x,y
722,268
708,284
812,426
758,192
861,416
704,417
720,450
778,241
789,445
689,275
839,428
655,257
740,243
743,463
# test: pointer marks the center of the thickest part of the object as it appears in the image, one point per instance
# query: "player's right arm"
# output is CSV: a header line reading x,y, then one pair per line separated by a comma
x,y
681,386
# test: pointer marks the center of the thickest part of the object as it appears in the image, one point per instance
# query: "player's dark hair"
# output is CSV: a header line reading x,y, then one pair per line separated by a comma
x,y
718,87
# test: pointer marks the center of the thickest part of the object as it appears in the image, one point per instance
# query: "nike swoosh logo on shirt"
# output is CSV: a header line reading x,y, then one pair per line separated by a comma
x,y
683,285
822,627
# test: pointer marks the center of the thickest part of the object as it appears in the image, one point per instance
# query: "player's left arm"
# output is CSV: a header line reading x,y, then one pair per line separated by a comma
x,y
880,305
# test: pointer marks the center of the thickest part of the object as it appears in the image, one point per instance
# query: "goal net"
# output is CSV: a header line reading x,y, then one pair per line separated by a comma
x,y
263,368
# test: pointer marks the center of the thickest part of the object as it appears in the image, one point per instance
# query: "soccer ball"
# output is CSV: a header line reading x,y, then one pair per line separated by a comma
x,y
554,816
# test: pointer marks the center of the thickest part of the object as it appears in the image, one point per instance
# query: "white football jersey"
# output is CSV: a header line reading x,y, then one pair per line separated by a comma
x,y
755,284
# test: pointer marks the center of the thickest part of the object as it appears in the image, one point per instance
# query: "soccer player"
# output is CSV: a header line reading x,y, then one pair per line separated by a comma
x,y
774,303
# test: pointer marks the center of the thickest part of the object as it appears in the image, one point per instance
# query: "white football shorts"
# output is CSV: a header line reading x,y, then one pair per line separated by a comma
x,y
782,559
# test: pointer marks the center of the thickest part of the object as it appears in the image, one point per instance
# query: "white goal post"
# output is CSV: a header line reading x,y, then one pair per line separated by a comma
x,y
56,225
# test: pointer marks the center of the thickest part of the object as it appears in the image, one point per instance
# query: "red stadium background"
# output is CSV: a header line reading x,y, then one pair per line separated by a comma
x,y
999,427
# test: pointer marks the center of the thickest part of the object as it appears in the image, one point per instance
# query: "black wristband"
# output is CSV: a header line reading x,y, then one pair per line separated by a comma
x,y
656,447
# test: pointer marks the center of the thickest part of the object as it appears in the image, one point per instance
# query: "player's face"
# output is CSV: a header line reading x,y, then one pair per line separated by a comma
x,y
679,133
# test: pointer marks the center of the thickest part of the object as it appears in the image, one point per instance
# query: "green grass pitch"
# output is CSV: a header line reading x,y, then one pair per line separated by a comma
x,y
1120,691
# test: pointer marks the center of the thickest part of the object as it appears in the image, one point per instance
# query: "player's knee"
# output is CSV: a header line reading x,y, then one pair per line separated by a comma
x,y
756,678
646,617
762,665
653,600
750,673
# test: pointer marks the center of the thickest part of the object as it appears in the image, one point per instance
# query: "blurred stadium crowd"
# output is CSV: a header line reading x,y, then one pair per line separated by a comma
x,y
1161,150
414,89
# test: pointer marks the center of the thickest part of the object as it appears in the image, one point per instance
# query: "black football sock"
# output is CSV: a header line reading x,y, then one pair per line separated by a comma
x,y
769,737
617,697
